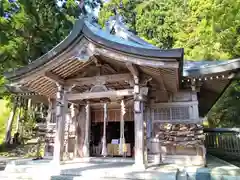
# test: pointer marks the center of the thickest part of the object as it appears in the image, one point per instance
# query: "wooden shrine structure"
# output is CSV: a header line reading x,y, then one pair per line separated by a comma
x,y
95,75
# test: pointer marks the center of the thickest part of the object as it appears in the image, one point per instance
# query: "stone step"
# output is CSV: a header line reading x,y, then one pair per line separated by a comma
x,y
154,158
39,175
133,176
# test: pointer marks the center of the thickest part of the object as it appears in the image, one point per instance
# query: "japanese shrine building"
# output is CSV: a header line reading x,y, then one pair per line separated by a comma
x,y
96,81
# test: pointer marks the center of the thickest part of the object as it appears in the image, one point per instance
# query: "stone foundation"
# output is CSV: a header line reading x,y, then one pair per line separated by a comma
x,y
178,143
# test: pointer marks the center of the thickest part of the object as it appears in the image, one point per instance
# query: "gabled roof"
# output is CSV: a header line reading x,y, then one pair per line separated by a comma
x,y
91,31
125,41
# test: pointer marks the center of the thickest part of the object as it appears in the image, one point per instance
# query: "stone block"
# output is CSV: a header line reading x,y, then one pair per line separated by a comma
x,y
226,177
203,174
216,177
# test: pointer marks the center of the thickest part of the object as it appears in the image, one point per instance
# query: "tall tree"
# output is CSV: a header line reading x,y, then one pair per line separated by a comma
x,y
206,29
29,29
226,112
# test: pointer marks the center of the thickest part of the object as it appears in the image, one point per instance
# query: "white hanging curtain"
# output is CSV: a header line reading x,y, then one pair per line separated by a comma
x,y
104,140
122,137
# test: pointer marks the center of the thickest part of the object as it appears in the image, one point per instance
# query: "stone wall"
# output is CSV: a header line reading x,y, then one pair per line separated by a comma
x,y
177,133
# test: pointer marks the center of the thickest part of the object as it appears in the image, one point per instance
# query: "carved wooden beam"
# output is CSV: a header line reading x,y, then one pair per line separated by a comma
x,y
97,95
105,94
54,78
97,62
164,63
133,69
109,68
145,79
99,79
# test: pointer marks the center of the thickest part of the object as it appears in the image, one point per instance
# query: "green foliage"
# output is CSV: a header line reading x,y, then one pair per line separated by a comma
x,y
29,29
226,112
4,114
207,30
210,30
127,8
32,31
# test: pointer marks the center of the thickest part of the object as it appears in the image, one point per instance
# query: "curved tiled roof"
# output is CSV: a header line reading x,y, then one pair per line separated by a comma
x,y
199,68
84,28
125,41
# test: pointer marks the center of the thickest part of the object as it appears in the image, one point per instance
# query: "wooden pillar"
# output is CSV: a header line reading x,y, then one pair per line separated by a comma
x,y
140,142
49,111
139,126
122,137
74,114
66,132
195,113
25,117
48,120
86,145
149,123
19,114
29,105
41,110
10,121
61,109
104,138
18,119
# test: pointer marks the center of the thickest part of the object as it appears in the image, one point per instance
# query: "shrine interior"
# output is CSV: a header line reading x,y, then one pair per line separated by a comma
x,y
113,132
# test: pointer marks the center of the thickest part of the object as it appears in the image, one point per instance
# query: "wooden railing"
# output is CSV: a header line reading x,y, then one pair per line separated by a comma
x,y
223,142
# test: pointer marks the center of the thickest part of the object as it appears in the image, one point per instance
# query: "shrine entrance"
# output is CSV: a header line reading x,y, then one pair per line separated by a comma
x,y
113,133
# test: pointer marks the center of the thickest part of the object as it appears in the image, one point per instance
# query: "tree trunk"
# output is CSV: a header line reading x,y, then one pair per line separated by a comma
x,y
10,122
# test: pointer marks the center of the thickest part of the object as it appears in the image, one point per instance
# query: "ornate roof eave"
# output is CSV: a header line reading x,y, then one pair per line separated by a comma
x,y
15,89
213,67
216,76
58,49
93,33
23,92
135,50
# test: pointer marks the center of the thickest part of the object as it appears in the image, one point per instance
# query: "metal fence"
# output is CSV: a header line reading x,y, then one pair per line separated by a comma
x,y
223,142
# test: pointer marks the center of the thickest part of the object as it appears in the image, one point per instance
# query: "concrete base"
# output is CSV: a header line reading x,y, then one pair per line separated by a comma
x,y
115,168
184,160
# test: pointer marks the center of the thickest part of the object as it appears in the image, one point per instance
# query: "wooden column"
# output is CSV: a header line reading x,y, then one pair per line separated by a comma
x,y
29,105
86,145
50,111
122,137
74,114
66,132
195,113
18,119
149,122
104,138
140,140
61,109
48,120
80,131
25,116
10,121
140,129
19,114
